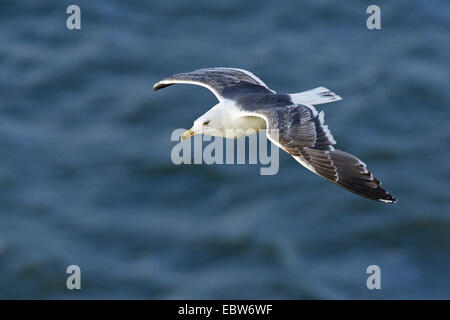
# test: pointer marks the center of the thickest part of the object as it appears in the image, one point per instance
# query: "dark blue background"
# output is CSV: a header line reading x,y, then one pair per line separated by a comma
x,y
86,176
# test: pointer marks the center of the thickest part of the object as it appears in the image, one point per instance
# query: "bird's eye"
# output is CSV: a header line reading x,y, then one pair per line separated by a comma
x,y
206,123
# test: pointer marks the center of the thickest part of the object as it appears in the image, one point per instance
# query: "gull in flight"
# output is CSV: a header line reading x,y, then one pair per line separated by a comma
x,y
245,102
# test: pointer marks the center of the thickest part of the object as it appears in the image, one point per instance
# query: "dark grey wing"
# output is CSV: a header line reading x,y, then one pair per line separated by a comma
x,y
300,130
225,83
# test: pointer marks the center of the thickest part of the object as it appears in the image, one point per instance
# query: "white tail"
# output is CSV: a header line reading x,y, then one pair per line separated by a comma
x,y
315,96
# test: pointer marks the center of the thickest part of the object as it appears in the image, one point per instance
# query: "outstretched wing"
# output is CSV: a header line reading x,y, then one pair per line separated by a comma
x,y
225,83
300,131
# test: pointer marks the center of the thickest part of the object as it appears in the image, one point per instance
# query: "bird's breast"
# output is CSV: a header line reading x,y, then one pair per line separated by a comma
x,y
244,126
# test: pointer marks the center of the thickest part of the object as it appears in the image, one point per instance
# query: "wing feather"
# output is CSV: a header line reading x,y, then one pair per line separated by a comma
x,y
300,131
225,83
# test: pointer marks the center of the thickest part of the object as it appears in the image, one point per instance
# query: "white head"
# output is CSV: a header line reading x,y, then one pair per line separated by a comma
x,y
213,123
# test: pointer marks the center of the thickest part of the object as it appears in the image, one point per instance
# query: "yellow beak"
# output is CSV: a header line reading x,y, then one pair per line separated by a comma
x,y
187,134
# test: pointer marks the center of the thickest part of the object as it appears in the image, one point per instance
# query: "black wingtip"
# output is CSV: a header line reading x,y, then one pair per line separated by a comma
x,y
388,199
160,85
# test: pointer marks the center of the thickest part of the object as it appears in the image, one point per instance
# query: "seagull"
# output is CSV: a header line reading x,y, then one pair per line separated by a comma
x,y
246,102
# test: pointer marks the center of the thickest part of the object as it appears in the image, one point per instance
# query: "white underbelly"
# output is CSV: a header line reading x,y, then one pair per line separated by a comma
x,y
245,126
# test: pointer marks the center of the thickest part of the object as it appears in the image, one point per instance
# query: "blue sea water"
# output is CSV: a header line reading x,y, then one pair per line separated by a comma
x,y
86,177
